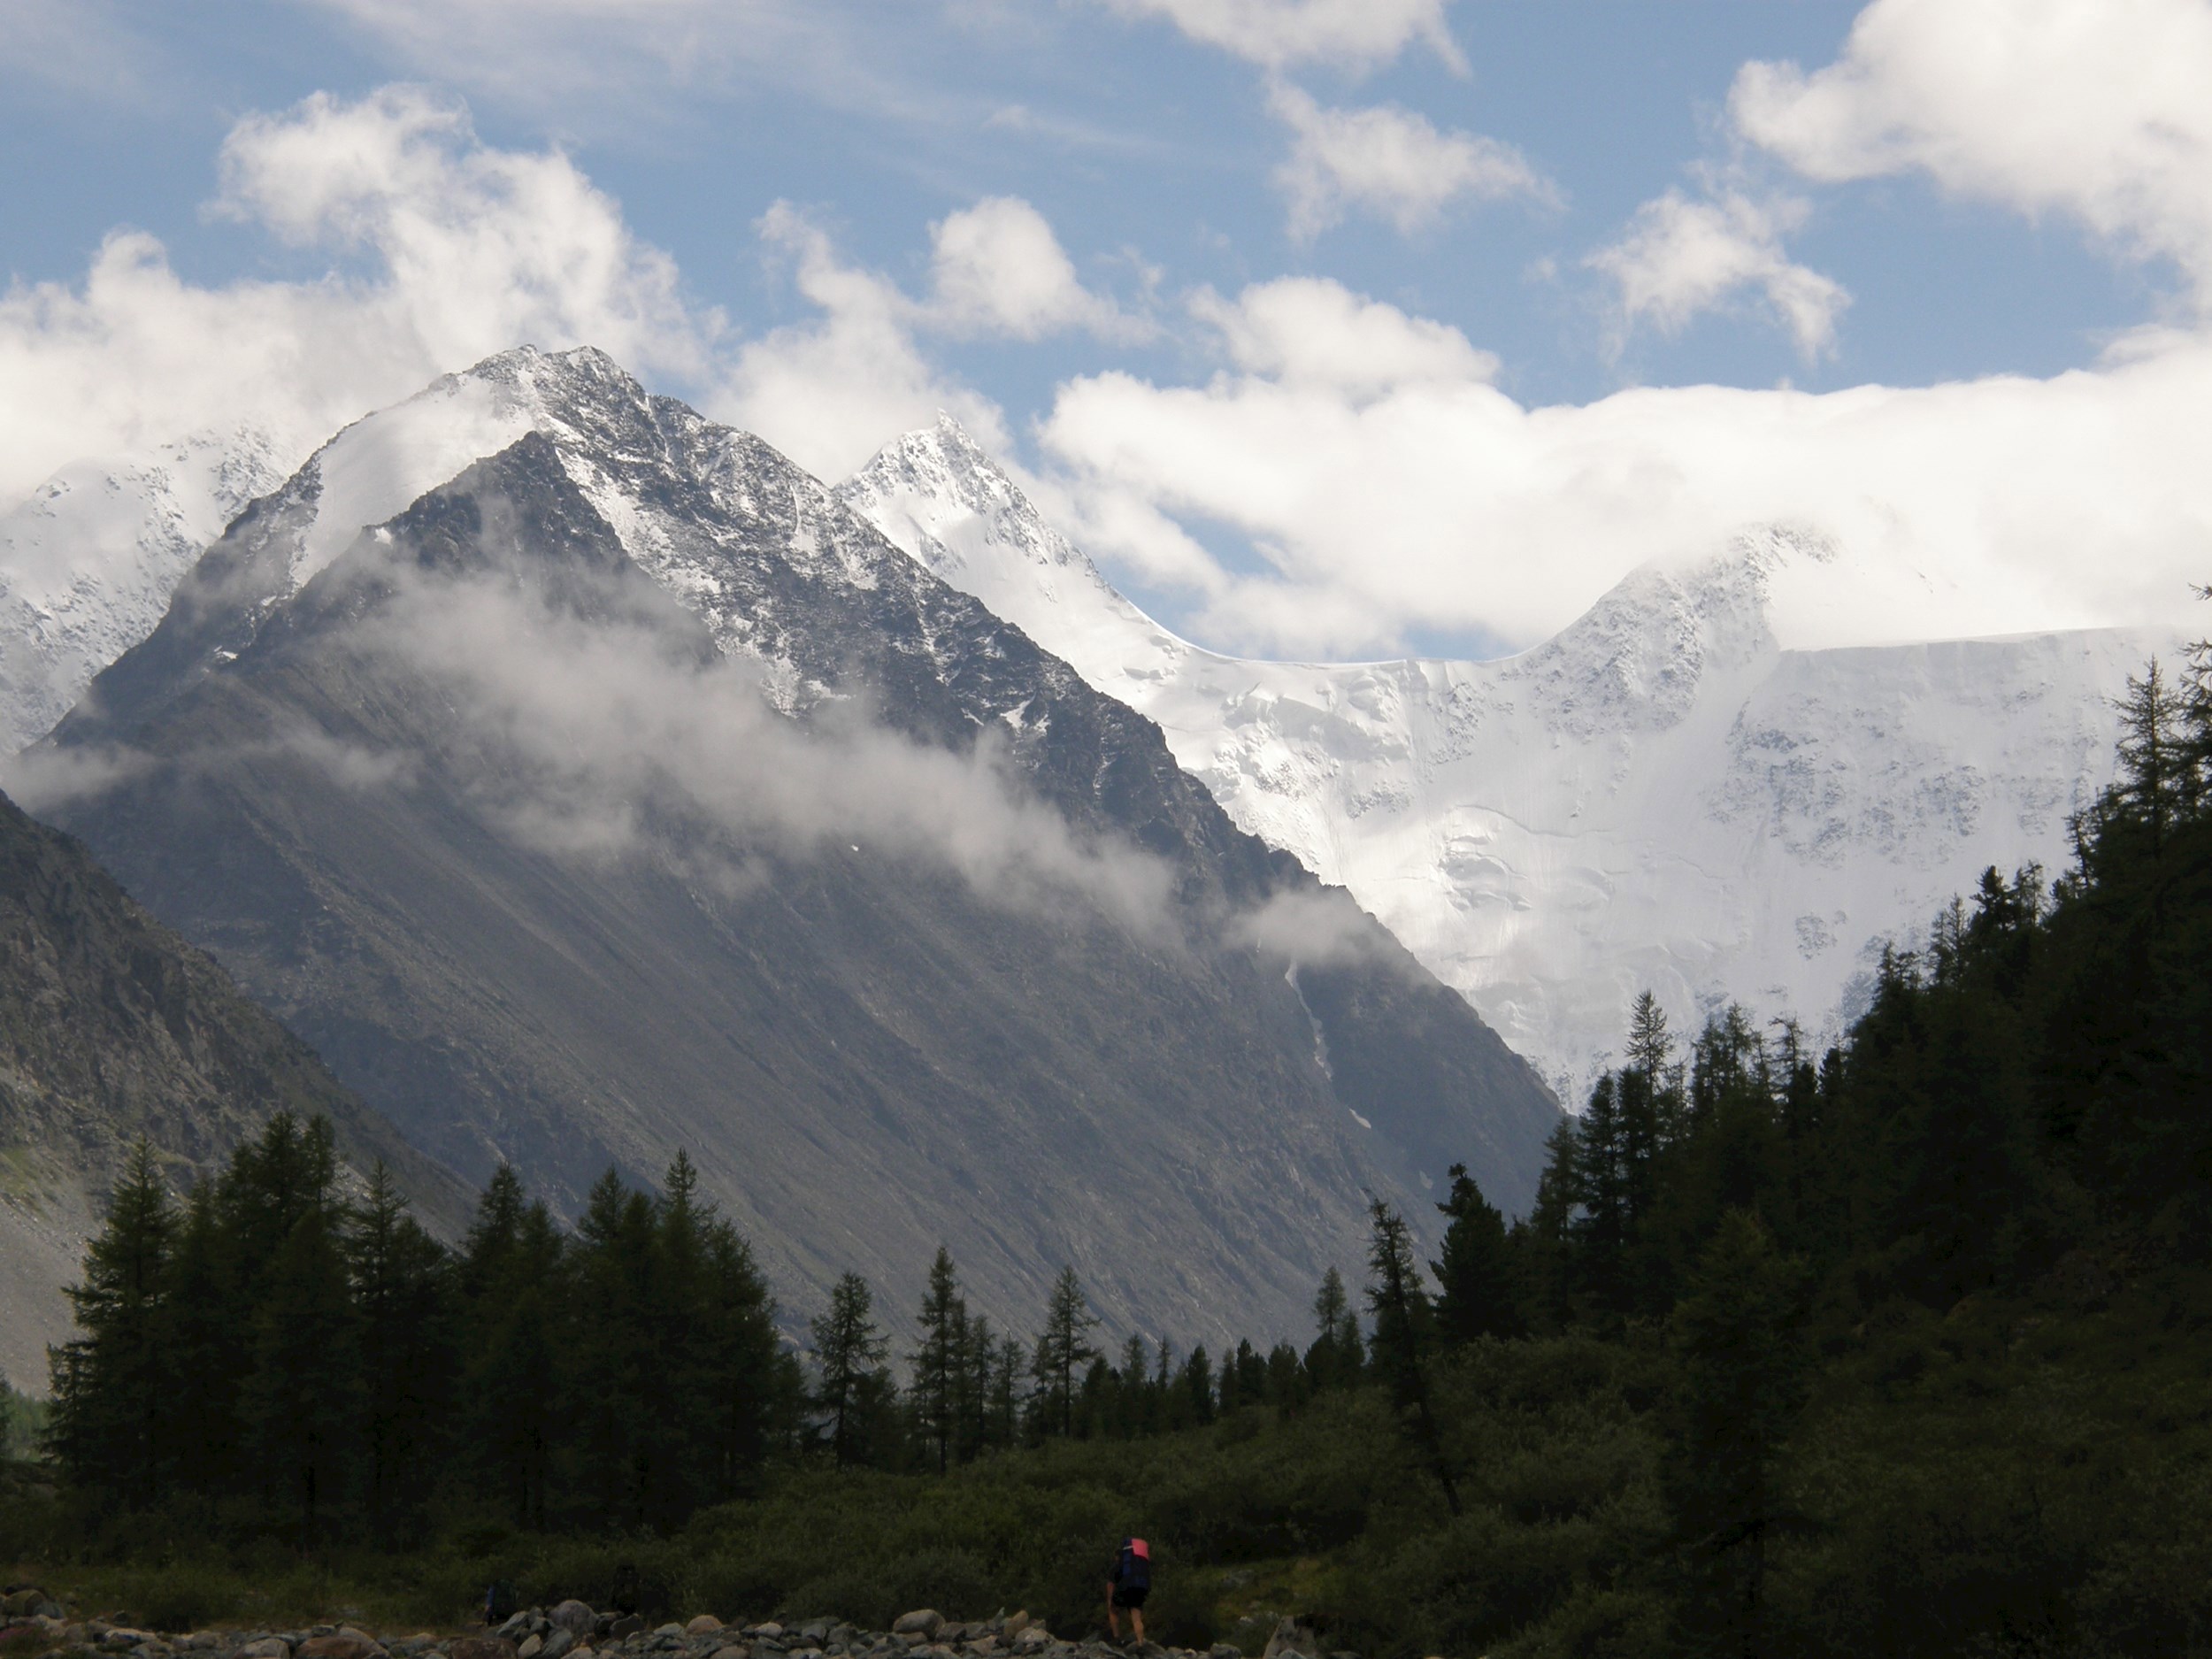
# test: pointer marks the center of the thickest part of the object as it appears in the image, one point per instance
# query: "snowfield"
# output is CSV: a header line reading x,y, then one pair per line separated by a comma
x,y
1673,792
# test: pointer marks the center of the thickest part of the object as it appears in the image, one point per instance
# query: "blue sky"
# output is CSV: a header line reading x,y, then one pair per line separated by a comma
x,y
1595,196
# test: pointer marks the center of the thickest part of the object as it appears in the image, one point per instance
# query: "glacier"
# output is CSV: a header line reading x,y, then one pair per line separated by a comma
x,y
89,559
1689,789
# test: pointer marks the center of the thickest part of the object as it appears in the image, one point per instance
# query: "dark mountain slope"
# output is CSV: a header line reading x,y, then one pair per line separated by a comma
x,y
921,1006
111,1028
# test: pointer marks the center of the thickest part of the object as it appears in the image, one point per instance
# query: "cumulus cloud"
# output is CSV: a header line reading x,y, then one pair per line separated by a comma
x,y
1681,256
827,391
2100,109
1371,513
1389,162
1277,32
443,250
452,250
1312,331
997,268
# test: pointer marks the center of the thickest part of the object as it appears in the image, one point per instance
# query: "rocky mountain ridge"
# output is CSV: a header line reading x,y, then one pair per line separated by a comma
x,y
624,791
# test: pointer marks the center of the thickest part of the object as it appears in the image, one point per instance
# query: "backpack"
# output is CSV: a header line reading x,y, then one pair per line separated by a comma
x,y
1136,1565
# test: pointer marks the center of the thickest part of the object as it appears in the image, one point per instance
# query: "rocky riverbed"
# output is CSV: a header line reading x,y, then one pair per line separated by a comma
x,y
574,1629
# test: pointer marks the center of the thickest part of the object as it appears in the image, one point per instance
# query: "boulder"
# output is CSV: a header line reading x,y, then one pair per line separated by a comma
x,y
576,1617
558,1643
533,1645
480,1647
735,1650
266,1647
627,1625
705,1624
344,1644
923,1621
1293,1636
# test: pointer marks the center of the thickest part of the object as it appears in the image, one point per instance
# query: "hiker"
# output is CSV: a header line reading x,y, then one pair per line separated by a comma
x,y
1131,1582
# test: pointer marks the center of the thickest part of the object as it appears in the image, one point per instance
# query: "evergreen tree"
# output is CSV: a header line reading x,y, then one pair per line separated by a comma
x,y
402,1294
1194,1387
937,1361
1735,1337
301,1403
1404,1335
511,1384
111,1386
1063,1350
1334,1359
204,1320
979,1350
1132,1409
1477,1294
1285,1385
847,1350
754,1391
2156,783
1008,1368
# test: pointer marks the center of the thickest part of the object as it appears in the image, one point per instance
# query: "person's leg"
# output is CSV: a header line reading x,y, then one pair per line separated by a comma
x,y
1113,1621
1136,1625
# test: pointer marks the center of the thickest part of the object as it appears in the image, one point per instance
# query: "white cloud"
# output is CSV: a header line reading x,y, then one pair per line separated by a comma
x,y
454,250
997,268
1440,504
1311,331
829,391
1277,32
1681,256
1389,162
2098,109
443,250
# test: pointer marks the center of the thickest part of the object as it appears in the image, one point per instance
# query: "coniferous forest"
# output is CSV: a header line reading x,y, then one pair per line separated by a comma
x,y
1900,1346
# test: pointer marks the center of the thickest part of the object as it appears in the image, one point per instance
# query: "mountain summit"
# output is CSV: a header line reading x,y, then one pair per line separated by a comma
x,y
585,781
1683,790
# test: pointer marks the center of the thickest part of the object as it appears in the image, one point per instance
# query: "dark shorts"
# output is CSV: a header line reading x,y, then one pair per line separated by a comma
x,y
1131,1595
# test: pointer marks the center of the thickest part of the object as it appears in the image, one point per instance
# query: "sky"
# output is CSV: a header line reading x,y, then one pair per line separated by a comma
x,y
1328,327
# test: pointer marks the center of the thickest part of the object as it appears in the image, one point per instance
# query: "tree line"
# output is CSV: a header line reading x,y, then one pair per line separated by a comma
x,y
269,1344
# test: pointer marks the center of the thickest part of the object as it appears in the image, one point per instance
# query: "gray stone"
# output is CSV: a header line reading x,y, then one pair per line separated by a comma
x,y
925,1622
558,1643
576,1617
532,1646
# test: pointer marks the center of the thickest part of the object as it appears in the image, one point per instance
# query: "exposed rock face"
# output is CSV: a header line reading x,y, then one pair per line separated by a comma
x,y
919,939
111,1028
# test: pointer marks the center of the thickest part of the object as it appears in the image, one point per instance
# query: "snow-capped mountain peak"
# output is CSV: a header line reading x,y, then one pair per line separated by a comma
x,y
1692,787
89,559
